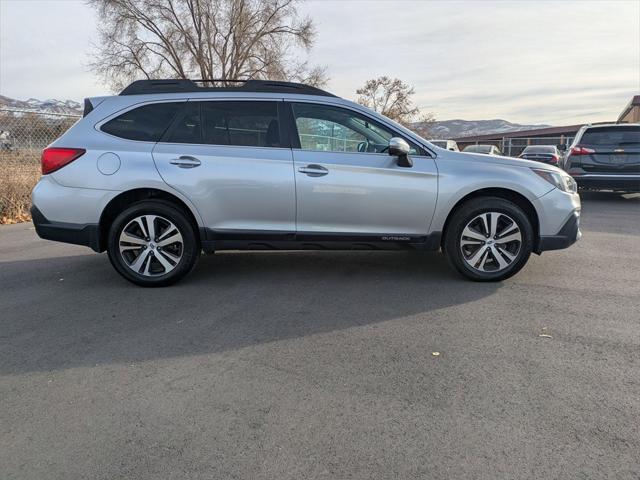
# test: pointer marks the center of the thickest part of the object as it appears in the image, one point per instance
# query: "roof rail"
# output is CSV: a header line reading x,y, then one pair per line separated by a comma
x,y
141,87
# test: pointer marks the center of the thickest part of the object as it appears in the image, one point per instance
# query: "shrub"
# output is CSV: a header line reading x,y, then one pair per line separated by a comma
x,y
19,172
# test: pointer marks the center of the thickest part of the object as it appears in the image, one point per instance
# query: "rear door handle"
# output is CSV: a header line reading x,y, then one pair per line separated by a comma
x,y
314,170
185,161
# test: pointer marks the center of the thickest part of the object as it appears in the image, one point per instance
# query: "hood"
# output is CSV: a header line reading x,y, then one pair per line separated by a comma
x,y
500,160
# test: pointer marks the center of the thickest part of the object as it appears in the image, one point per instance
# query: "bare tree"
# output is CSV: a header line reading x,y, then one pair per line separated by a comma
x,y
424,124
231,39
392,98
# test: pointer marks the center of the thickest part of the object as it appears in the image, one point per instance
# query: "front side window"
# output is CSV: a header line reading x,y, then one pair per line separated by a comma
x,y
146,123
333,129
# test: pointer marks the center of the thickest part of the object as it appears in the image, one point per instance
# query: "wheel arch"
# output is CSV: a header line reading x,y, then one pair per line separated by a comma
x,y
129,197
515,197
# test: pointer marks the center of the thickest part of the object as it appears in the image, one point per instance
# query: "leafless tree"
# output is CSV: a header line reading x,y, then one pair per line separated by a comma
x,y
392,98
424,124
231,39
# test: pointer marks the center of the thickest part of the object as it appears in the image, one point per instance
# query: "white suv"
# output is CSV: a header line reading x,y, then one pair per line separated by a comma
x,y
169,168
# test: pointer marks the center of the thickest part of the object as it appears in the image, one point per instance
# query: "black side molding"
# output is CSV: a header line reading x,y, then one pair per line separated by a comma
x,y
260,240
77,234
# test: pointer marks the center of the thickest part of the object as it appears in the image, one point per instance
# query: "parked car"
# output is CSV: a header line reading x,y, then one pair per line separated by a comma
x,y
446,144
542,153
606,157
483,149
169,168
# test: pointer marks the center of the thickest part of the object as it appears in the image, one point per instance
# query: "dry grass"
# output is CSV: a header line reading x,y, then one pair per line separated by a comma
x,y
19,172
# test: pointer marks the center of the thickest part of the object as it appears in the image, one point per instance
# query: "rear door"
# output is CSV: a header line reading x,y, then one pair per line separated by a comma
x,y
229,158
347,183
616,149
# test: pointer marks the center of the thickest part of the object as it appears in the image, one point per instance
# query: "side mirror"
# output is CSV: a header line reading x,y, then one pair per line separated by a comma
x,y
400,148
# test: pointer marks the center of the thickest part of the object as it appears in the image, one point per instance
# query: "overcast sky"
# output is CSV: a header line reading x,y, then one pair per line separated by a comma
x,y
527,62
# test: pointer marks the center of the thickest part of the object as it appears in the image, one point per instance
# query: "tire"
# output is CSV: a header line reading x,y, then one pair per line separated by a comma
x,y
471,246
158,261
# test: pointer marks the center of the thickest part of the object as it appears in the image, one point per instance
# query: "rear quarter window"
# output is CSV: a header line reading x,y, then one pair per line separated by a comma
x,y
146,123
611,136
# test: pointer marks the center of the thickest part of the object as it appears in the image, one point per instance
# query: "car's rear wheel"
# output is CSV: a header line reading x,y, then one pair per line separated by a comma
x,y
153,244
488,239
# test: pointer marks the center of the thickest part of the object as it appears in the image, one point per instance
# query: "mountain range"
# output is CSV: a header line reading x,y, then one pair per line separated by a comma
x,y
445,129
67,107
448,129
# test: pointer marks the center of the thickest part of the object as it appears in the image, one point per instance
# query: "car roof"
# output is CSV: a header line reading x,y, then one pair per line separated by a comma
x,y
608,125
141,87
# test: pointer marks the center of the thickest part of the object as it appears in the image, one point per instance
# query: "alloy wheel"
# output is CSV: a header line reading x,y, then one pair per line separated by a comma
x,y
151,245
491,242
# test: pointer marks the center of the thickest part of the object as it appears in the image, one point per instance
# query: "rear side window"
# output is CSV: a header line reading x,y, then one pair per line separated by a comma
x,y
543,149
611,136
248,124
187,127
146,123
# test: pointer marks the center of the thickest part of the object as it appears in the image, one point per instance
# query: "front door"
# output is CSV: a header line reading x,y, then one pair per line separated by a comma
x,y
347,183
227,158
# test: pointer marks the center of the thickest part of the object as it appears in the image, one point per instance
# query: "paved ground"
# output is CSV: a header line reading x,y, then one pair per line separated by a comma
x,y
319,365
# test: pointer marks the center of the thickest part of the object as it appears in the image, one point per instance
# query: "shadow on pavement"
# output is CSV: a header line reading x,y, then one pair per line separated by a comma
x,y
232,300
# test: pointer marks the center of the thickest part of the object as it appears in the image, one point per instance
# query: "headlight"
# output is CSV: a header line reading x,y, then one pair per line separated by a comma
x,y
564,182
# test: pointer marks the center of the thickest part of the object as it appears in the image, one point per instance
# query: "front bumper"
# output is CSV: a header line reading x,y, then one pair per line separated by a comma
x,y
568,235
77,234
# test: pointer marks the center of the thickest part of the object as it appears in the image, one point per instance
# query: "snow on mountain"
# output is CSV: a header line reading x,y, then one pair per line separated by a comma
x,y
52,105
448,129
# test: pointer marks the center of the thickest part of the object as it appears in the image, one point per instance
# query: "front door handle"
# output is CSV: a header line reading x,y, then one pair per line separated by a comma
x,y
185,161
314,170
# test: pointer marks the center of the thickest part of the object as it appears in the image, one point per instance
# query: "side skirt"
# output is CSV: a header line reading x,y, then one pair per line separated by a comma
x,y
265,240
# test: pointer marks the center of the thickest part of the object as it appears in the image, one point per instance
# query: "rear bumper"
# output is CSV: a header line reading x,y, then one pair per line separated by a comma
x,y
628,183
77,234
567,236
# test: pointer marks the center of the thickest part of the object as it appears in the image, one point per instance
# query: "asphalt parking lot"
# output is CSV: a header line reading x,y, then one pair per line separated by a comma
x,y
320,365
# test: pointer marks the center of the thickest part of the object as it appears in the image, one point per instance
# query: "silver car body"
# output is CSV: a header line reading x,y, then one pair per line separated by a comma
x,y
264,189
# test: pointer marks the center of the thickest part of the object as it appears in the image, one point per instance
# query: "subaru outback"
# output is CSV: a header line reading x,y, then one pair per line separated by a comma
x,y
168,169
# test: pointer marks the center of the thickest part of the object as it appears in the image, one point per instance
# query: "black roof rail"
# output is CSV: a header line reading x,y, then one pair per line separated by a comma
x,y
141,87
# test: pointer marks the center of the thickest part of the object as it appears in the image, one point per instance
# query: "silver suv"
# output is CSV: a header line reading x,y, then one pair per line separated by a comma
x,y
170,168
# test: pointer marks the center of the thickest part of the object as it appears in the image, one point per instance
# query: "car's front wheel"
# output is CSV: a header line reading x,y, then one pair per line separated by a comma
x,y
153,244
488,239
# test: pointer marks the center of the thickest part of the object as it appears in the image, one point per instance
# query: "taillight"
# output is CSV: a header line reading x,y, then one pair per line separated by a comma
x,y
55,158
582,151
554,159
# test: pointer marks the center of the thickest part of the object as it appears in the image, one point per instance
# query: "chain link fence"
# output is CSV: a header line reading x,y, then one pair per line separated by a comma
x,y
23,135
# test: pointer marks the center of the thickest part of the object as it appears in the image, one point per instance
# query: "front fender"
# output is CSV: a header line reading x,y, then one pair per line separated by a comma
x,y
458,179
